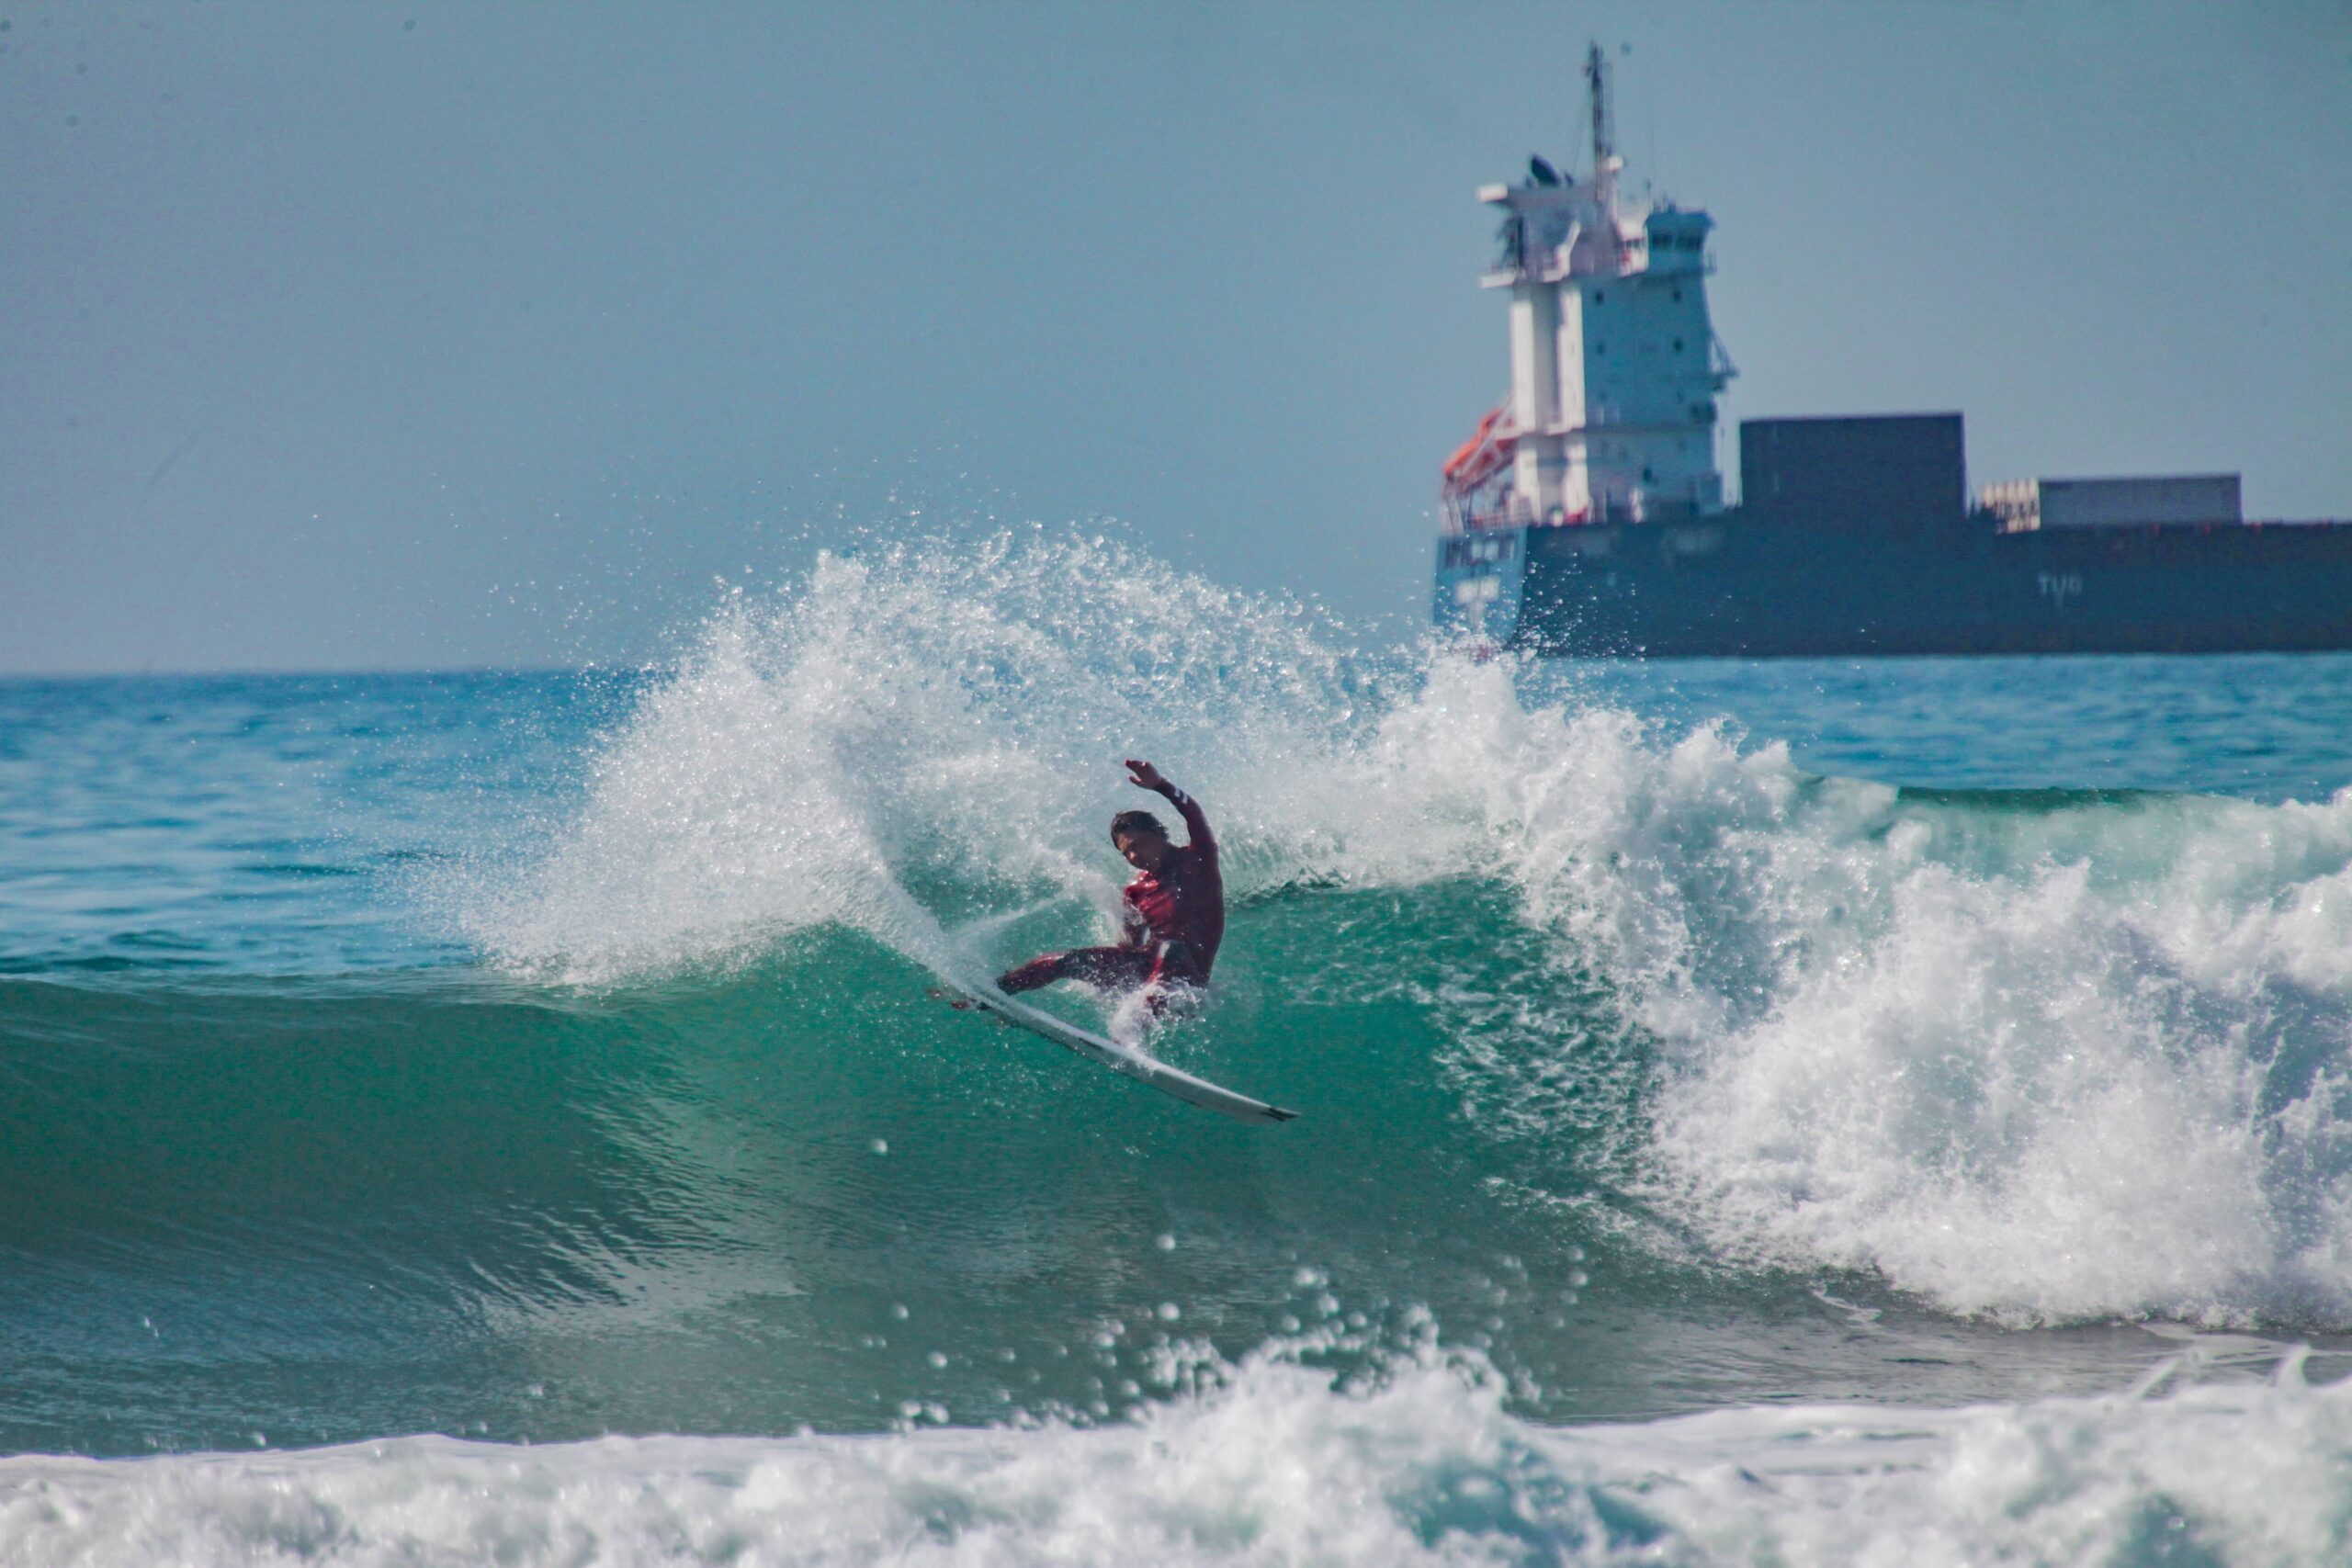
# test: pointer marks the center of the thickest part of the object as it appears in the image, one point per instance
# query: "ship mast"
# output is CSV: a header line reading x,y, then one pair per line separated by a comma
x,y
1605,161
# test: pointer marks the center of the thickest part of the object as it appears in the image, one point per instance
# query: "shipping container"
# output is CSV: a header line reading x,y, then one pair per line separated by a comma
x,y
1888,473
2025,505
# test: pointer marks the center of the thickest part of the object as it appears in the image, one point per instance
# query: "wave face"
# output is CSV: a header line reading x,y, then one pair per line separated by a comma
x,y
554,1057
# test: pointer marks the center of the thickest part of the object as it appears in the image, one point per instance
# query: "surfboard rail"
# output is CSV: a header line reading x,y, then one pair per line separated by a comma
x,y
1127,1059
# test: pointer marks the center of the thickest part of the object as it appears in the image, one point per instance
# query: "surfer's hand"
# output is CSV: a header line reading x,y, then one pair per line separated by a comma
x,y
1144,773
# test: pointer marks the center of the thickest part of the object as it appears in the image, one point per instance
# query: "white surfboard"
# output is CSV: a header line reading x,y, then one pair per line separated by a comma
x,y
1127,1059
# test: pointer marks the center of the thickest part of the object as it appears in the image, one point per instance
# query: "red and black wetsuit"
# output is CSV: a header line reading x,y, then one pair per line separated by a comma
x,y
1171,924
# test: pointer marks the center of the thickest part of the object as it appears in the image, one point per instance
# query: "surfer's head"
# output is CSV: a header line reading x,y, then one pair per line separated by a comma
x,y
1138,836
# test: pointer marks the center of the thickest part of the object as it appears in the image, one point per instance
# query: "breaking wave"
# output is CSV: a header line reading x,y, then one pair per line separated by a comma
x,y
1266,1462
2043,1057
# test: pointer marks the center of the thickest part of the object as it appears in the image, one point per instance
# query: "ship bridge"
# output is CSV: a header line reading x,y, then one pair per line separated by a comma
x,y
1615,369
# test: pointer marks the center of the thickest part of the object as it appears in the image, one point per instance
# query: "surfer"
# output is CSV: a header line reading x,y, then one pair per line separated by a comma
x,y
1171,916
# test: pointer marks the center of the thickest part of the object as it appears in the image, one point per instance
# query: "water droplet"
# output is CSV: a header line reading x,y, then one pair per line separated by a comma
x,y
899,1310
937,1359
881,1145
1165,1243
1170,1311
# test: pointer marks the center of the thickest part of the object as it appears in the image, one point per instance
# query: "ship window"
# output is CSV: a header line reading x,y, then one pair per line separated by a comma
x,y
1598,296
1678,296
1678,345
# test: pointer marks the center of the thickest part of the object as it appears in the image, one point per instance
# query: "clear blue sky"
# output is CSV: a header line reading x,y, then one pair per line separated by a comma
x,y
439,335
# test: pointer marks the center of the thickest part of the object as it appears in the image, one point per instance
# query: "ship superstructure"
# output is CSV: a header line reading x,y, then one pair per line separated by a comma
x,y
1586,513
1615,367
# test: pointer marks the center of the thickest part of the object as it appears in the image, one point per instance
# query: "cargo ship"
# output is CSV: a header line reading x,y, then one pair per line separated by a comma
x,y
1586,513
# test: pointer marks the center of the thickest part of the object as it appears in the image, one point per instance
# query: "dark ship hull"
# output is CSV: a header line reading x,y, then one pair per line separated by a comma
x,y
1746,586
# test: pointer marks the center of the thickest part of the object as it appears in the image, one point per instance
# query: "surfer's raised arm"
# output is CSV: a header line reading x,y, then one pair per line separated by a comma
x,y
1196,822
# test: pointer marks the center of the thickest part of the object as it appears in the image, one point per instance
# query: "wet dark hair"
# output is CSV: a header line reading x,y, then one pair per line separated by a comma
x,y
1135,822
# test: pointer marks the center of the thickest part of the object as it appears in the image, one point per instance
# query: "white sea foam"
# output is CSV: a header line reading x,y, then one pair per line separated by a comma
x,y
1268,1464
2043,1062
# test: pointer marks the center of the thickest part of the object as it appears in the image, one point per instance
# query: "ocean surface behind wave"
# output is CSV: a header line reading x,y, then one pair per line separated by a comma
x,y
1932,1069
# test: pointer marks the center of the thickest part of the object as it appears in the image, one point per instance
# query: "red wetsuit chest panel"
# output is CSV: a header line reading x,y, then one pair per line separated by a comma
x,y
1184,901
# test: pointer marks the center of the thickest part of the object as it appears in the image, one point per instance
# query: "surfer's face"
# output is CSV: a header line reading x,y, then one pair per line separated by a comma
x,y
1144,851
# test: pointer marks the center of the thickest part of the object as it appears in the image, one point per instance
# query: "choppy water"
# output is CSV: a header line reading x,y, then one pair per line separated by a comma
x,y
1772,1112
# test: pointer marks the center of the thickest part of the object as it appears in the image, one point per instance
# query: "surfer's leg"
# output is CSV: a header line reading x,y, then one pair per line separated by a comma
x,y
1043,970
1113,969
1109,967
1174,979
1177,963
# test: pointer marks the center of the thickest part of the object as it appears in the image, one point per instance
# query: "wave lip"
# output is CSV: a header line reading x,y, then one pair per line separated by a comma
x,y
1270,1463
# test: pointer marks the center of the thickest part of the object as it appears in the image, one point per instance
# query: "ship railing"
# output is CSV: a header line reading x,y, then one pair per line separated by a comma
x,y
1461,516
1513,513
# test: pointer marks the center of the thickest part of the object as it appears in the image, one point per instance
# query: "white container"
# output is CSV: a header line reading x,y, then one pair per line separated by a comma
x,y
2027,504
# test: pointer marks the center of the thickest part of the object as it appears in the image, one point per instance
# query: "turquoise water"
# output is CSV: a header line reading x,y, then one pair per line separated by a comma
x,y
1750,1112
